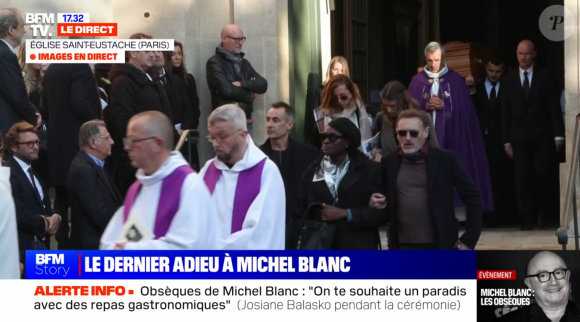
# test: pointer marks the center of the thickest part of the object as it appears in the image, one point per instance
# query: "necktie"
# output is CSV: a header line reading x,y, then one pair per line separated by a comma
x,y
492,96
34,185
526,86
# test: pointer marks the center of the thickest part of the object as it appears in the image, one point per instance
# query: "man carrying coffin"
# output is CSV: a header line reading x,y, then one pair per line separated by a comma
x,y
166,207
246,187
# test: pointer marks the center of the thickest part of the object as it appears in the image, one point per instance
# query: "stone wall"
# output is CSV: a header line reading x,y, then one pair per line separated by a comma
x,y
197,24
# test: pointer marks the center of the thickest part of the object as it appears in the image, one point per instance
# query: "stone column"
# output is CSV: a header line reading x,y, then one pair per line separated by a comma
x,y
572,91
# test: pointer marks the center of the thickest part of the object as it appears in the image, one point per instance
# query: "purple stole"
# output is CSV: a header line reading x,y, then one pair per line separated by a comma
x,y
247,189
169,199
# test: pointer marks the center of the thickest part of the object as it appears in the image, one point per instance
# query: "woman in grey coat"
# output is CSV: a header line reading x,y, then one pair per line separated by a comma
x,y
395,99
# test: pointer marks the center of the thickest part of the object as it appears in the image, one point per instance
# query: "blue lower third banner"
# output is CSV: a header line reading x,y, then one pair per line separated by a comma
x,y
427,265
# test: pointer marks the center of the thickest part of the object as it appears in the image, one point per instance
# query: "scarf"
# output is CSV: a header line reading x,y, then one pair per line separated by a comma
x,y
236,60
363,122
332,174
416,157
436,76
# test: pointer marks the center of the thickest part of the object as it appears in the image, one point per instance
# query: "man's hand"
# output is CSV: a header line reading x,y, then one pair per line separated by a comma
x,y
435,103
461,246
54,223
508,150
559,144
378,201
38,120
237,83
121,245
331,213
377,155
469,81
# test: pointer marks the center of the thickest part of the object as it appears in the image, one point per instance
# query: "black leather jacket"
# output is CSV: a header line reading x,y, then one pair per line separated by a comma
x,y
220,75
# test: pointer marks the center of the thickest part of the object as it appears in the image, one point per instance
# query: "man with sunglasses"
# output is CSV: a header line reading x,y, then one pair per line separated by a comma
x,y
421,182
35,218
231,78
548,276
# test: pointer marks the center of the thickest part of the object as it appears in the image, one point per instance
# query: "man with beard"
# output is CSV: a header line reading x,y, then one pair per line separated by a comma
x,y
549,278
247,191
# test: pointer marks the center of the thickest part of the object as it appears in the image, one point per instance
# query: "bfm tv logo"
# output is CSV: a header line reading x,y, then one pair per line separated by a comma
x,y
51,264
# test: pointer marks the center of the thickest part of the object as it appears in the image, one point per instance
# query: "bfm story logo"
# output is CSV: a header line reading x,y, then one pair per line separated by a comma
x,y
51,265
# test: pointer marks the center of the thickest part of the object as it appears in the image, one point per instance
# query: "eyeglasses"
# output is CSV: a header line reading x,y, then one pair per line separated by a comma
x,y
330,136
221,137
341,98
403,133
30,144
544,277
238,40
129,142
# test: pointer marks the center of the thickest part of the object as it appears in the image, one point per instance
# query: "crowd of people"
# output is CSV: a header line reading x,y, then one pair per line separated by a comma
x,y
105,141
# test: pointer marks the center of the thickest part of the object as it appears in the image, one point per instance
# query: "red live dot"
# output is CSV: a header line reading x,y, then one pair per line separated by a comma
x,y
130,292
32,56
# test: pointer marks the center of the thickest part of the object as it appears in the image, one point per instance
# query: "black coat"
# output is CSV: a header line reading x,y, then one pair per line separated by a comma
x,y
28,207
14,103
354,192
537,118
72,98
93,201
444,176
191,88
292,163
132,92
220,74
180,104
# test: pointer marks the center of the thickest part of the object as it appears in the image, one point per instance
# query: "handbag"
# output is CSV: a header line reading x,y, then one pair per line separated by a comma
x,y
315,234
43,136
38,244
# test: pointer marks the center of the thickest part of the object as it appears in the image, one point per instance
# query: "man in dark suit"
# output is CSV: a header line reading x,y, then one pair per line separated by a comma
x,y
92,194
72,98
291,157
533,132
14,103
487,101
35,218
420,183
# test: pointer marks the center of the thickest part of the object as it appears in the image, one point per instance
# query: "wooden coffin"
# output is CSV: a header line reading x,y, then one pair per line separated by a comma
x,y
466,58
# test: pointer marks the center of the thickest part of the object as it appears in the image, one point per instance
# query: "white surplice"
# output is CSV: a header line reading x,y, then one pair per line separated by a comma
x,y
191,227
10,262
264,226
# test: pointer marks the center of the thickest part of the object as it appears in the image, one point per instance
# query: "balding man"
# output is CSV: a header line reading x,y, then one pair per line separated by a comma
x,y
532,131
166,208
14,103
549,278
247,190
231,78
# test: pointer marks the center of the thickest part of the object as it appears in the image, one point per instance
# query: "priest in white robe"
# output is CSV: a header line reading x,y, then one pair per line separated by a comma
x,y
166,208
246,187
